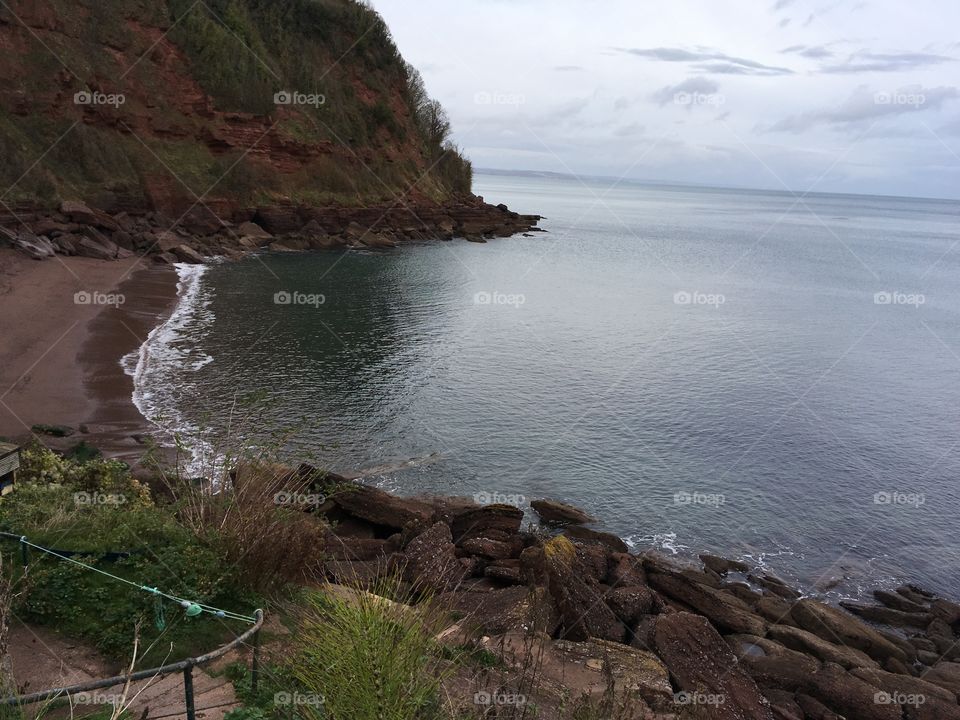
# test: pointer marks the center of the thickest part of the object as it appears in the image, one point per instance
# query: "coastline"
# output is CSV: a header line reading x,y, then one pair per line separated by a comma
x,y
62,366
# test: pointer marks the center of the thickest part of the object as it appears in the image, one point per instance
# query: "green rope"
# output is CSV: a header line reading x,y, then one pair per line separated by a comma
x,y
193,608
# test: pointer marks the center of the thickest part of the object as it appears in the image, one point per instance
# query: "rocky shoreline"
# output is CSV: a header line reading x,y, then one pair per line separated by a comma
x,y
76,229
721,640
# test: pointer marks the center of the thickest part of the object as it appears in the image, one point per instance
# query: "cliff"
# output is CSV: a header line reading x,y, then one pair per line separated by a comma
x,y
132,105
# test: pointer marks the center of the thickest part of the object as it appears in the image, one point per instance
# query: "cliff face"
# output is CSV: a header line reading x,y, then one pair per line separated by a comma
x,y
134,105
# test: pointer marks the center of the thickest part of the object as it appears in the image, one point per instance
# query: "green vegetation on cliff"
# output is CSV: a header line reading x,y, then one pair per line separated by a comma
x,y
135,104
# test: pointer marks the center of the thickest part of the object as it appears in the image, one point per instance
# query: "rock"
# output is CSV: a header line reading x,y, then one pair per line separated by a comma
x,y
947,611
187,254
723,609
359,574
503,574
834,625
165,241
625,570
898,602
201,220
79,212
512,609
849,696
783,705
60,431
886,616
487,548
431,560
721,566
347,548
377,240
946,675
774,609
582,611
920,700
66,244
34,247
252,230
381,508
813,709
806,642
103,250
630,603
479,522
595,560
289,244
700,661
165,258
915,594
770,664
558,513
775,585
578,532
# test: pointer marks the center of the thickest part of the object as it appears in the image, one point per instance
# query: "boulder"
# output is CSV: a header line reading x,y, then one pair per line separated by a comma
x,y
775,585
723,609
348,548
836,626
512,609
78,212
771,664
101,250
382,508
887,616
252,230
700,661
721,566
783,704
584,534
558,513
630,603
849,696
503,574
806,642
487,548
625,570
582,610
947,611
431,560
897,601
944,674
37,248
187,254
813,709
920,700
480,521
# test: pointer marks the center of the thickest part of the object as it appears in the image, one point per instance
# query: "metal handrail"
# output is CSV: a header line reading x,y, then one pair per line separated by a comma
x,y
184,666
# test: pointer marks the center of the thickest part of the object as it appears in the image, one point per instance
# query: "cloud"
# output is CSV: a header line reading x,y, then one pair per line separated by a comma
x,y
629,130
568,68
689,87
785,22
781,4
708,60
814,52
864,105
866,61
951,128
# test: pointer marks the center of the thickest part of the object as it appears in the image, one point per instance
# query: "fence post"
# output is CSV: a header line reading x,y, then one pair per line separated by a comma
x,y
24,553
255,670
188,689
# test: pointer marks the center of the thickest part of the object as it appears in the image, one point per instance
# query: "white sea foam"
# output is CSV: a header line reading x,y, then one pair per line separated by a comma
x,y
158,366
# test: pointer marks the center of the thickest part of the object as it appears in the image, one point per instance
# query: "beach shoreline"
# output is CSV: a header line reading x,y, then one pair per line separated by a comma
x,y
66,325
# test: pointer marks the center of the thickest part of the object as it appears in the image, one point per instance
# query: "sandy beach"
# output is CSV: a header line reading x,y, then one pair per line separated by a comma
x,y
65,325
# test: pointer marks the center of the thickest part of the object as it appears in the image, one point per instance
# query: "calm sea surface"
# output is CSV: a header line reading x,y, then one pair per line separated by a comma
x,y
748,373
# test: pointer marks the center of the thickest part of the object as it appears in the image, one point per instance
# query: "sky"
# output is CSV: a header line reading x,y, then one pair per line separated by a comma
x,y
805,95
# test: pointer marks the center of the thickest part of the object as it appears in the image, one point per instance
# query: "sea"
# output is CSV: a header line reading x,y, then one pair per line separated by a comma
x,y
770,376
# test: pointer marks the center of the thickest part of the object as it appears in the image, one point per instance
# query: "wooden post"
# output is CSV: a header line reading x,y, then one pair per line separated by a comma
x,y
188,690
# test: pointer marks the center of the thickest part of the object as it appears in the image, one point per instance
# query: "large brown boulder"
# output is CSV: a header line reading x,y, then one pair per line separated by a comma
x,y
887,616
585,534
583,613
945,674
431,560
806,642
381,508
704,667
512,609
722,608
919,699
849,696
558,513
491,521
771,664
836,626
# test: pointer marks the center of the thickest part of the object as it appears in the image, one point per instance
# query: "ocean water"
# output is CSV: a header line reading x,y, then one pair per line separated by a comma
x,y
755,374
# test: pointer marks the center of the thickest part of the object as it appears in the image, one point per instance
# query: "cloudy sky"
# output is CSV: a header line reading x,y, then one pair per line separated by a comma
x,y
829,95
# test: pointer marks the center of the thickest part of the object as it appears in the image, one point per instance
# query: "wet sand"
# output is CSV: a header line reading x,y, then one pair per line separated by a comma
x,y
60,356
